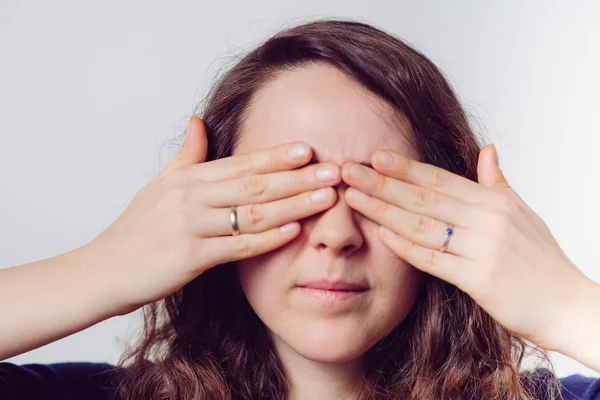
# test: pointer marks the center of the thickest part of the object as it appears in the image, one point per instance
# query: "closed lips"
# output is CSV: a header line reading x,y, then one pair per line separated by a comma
x,y
336,286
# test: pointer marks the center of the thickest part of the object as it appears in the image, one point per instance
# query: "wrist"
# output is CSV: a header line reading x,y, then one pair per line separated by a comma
x,y
103,279
582,325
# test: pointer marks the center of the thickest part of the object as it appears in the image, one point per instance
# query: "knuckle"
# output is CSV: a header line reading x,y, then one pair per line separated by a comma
x,y
254,185
424,198
440,176
255,214
431,258
381,208
422,224
242,164
241,246
380,183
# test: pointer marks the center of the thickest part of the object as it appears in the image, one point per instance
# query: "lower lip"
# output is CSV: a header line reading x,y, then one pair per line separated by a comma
x,y
332,297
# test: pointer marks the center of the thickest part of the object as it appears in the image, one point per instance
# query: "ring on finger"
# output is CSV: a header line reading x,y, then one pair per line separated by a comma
x,y
235,229
449,232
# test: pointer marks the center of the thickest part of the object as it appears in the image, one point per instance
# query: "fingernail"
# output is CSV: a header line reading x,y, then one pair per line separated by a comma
x,y
357,172
186,141
287,228
385,158
320,195
496,156
297,151
326,173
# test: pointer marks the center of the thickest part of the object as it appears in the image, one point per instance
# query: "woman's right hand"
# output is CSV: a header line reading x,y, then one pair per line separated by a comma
x,y
178,225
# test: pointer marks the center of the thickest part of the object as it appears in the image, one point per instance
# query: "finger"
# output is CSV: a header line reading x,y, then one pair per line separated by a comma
x,y
221,250
448,267
430,176
419,229
417,199
490,175
261,188
193,150
255,218
282,157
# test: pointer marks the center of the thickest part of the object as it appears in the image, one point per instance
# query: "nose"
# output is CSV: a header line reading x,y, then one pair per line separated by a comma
x,y
335,229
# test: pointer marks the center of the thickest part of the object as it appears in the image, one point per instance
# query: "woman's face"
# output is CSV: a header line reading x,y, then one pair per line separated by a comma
x,y
341,122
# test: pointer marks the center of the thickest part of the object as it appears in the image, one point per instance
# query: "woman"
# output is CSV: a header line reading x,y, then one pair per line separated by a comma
x,y
332,230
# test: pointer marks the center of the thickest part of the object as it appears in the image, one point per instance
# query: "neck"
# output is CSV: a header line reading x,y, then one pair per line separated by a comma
x,y
312,379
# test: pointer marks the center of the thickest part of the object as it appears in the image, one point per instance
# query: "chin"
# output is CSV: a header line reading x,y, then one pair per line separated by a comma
x,y
331,355
327,343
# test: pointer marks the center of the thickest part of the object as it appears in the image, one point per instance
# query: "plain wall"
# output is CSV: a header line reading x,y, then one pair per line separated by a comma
x,y
90,91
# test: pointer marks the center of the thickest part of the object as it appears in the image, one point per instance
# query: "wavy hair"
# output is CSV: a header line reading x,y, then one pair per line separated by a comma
x,y
206,342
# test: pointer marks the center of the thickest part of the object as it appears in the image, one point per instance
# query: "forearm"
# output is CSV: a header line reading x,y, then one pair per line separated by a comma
x,y
47,300
583,341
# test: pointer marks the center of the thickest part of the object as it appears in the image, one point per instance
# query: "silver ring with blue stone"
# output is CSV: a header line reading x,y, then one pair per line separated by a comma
x,y
449,232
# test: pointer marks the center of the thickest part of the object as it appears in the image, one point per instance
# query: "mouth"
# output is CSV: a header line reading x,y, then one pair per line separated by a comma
x,y
332,294
336,285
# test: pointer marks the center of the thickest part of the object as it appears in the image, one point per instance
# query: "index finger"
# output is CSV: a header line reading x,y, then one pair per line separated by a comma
x,y
427,175
279,158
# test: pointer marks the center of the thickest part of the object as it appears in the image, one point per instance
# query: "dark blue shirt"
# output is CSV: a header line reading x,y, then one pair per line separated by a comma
x,y
95,381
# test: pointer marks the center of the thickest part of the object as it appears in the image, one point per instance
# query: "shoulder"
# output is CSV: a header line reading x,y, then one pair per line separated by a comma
x,y
65,380
575,387
580,387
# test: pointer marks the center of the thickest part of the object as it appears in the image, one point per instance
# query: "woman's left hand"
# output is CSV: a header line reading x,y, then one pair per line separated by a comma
x,y
501,252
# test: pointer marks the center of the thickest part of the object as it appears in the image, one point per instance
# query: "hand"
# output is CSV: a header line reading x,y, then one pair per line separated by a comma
x,y
179,225
501,252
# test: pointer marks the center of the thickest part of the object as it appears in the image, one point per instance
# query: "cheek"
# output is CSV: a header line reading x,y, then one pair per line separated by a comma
x,y
254,276
404,287
268,276
263,280
397,284
395,295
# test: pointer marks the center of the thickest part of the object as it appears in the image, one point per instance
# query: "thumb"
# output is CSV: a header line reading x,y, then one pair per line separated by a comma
x,y
488,169
489,173
193,150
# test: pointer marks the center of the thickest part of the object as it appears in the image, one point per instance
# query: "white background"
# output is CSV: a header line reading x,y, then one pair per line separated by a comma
x,y
90,91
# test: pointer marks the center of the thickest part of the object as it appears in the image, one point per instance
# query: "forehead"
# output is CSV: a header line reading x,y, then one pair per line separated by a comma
x,y
322,106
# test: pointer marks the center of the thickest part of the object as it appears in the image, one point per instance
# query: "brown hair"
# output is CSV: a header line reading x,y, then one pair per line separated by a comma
x,y
205,341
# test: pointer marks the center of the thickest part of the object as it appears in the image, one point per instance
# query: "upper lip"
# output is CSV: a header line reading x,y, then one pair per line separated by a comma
x,y
334,285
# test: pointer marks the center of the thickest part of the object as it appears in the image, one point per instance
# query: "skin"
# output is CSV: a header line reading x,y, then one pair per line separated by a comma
x,y
321,347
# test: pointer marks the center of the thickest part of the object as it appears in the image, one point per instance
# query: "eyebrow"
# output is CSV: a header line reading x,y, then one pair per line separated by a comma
x,y
315,159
